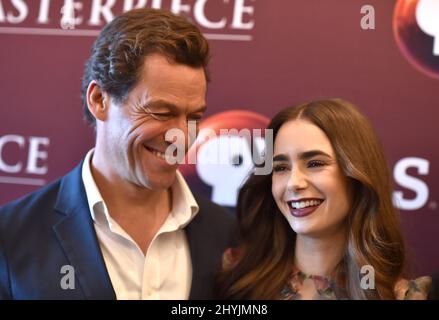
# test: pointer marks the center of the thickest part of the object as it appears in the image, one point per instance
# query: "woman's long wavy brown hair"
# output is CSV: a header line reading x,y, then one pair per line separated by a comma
x,y
266,251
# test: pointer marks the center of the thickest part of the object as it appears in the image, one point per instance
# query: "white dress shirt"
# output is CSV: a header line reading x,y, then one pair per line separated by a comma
x,y
166,270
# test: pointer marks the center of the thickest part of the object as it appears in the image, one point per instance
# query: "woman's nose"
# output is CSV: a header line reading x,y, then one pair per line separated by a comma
x,y
297,181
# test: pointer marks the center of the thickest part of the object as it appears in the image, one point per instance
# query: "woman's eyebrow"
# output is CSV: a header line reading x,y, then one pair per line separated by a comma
x,y
302,156
281,157
312,153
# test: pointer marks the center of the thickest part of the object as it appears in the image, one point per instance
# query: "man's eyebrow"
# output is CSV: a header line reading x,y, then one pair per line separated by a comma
x,y
312,153
170,106
200,109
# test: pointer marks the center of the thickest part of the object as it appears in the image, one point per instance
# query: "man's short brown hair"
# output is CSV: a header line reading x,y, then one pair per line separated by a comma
x,y
118,53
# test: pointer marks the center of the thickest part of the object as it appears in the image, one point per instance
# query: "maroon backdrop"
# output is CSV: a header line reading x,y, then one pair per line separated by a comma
x,y
266,55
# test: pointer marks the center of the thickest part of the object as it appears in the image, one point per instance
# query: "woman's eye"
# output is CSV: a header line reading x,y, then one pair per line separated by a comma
x,y
315,163
279,168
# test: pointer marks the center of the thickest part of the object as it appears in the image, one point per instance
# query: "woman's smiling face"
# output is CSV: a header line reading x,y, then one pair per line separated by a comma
x,y
308,184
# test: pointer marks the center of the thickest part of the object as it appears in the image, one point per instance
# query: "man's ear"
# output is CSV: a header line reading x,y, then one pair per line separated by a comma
x,y
97,101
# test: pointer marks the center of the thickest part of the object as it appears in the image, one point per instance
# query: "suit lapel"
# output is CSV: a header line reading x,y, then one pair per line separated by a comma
x,y
77,236
195,240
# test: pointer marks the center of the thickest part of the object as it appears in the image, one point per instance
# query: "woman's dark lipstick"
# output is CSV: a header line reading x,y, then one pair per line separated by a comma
x,y
303,212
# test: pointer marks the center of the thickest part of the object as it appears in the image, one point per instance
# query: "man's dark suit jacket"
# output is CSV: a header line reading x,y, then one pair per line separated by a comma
x,y
434,291
53,227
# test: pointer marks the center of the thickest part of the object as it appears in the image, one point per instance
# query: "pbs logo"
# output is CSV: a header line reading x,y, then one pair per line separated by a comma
x,y
416,30
227,147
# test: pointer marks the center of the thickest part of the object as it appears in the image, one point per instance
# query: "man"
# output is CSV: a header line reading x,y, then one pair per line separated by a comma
x,y
124,224
434,290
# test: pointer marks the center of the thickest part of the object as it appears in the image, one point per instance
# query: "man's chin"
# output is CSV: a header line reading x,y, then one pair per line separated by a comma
x,y
161,183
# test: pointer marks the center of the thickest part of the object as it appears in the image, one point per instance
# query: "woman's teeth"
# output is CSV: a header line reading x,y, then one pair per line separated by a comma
x,y
304,204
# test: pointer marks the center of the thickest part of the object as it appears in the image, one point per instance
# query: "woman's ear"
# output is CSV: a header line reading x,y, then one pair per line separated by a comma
x,y
97,101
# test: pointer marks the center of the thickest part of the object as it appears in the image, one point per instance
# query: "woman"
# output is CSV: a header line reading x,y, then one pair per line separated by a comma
x,y
322,225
